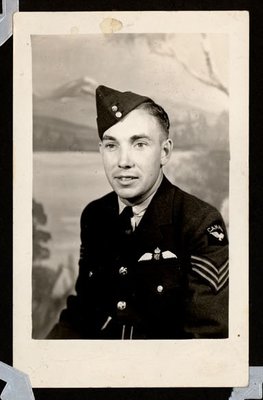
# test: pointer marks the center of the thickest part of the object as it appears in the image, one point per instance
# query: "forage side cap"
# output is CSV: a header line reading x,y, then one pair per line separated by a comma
x,y
113,105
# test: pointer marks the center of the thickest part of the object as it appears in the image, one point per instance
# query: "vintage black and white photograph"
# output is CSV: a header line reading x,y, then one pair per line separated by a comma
x,y
132,169
155,119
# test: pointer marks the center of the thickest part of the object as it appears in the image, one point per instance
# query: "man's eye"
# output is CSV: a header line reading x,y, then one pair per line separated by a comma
x,y
140,145
110,146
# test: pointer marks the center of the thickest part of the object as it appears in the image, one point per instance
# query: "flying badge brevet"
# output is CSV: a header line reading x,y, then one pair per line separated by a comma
x,y
146,257
216,234
157,254
168,254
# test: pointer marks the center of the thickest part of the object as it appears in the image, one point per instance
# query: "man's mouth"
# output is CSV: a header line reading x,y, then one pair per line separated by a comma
x,y
126,178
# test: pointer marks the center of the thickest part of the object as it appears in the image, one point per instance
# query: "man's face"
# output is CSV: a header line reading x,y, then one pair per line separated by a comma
x,y
133,153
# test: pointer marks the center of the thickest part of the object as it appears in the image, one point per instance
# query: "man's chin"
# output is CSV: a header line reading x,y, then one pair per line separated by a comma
x,y
126,194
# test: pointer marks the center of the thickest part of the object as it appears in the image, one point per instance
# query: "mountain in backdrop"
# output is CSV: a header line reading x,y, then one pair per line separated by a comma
x,y
53,134
65,120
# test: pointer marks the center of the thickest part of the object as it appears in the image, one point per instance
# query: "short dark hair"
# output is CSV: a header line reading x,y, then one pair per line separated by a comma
x,y
157,111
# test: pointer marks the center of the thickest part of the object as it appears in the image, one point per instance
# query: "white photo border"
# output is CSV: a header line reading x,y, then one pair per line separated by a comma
x,y
171,363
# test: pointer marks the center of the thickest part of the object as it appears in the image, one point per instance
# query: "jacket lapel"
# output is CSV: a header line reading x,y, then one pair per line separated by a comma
x,y
157,219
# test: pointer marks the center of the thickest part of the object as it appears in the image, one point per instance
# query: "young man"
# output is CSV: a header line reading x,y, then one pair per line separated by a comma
x,y
154,259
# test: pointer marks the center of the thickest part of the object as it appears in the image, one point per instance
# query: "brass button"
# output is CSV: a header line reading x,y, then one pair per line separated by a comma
x,y
121,305
123,270
159,288
118,114
114,108
90,274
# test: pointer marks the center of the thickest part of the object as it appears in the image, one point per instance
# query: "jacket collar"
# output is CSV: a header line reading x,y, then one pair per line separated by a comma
x,y
151,232
160,210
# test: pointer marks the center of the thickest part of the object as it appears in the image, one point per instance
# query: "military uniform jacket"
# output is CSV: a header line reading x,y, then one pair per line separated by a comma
x,y
168,281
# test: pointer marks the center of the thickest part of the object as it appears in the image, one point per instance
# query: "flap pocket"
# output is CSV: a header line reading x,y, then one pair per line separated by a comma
x,y
163,274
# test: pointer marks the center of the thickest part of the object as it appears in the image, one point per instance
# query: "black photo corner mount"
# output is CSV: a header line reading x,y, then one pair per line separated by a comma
x,y
256,192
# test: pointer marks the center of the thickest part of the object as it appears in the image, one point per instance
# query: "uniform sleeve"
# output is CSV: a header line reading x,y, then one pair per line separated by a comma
x,y
207,303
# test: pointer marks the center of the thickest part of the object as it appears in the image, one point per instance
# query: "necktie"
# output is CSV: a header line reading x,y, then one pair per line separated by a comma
x,y
125,220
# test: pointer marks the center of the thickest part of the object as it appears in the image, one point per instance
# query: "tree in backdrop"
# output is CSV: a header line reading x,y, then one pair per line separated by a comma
x,y
166,47
42,275
212,160
50,286
40,236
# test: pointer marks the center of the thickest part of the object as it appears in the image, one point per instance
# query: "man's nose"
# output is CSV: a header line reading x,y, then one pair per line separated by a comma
x,y
125,159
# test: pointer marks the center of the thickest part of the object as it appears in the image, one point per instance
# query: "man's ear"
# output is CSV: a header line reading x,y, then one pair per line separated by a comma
x,y
167,148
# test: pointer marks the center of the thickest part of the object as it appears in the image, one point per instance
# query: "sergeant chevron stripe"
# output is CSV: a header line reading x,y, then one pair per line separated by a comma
x,y
217,277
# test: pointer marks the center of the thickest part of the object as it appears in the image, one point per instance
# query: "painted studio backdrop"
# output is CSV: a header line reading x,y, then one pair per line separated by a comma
x,y
187,74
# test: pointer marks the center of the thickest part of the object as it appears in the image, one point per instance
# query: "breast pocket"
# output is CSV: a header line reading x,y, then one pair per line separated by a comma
x,y
159,287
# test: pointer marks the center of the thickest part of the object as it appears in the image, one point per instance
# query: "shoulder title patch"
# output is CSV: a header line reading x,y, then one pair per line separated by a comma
x,y
216,235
